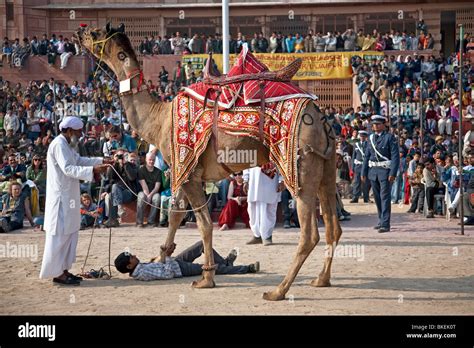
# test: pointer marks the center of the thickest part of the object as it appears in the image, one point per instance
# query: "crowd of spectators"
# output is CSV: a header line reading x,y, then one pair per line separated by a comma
x,y
29,116
403,89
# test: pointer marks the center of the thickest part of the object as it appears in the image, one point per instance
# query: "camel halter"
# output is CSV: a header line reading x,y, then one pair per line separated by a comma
x,y
102,48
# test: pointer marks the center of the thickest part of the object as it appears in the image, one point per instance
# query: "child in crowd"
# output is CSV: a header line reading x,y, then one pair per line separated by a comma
x,y
89,212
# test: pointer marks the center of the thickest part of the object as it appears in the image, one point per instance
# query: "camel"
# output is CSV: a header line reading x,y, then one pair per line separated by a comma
x,y
153,121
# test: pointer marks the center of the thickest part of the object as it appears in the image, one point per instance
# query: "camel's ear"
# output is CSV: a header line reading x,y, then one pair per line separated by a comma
x,y
121,28
108,26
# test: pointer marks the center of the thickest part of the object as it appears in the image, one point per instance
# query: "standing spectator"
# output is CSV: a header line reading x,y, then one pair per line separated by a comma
x,y
319,42
34,44
189,71
236,204
299,43
179,75
418,195
432,184
273,43
149,178
290,44
262,44
309,44
165,45
264,187
178,44
349,38
331,42
369,43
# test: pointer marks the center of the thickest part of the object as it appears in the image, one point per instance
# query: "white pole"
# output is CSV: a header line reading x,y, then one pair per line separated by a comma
x,y
225,36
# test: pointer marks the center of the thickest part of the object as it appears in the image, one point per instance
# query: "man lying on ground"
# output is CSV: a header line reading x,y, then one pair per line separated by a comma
x,y
179,266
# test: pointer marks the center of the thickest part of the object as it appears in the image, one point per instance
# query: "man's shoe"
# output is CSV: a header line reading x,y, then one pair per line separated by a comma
x,y
73,276
255,240
378,227
230,259
384,229
67,281
345,212
268,241
368,201
254,267
112,223
354,200
286,224
141,225
411,211
4,226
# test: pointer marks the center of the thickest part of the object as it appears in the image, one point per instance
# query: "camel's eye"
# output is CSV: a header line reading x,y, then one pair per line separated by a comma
x,y
121,55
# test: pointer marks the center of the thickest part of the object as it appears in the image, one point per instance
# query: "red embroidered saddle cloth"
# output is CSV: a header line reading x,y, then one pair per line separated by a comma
x,y
192,129
247,92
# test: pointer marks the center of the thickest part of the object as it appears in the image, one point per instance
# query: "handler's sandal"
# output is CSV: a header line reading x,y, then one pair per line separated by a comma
x,y
255,240
268,241
254,267
67,281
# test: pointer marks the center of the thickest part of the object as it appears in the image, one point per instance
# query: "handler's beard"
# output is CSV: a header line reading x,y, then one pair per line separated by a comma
x,y
74,142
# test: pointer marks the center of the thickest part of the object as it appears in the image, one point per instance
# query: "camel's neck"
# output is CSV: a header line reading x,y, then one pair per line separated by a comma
x,y
140,107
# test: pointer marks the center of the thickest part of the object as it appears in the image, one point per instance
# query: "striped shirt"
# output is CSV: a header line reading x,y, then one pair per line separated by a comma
x,y
157,270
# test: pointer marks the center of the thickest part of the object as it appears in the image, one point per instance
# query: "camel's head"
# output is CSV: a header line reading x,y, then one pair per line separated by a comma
x,y
108,44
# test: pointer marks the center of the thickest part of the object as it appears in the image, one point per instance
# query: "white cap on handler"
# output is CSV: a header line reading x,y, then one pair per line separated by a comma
x,y
378,119
71,122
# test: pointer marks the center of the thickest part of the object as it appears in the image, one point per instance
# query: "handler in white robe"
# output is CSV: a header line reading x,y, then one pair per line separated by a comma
x,y
62,213
264,193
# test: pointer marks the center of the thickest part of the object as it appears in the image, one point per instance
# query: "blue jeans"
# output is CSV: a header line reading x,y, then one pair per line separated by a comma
x,y
188,268
397,189
118,196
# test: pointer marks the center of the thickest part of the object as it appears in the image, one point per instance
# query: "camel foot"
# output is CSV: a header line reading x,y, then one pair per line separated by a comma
x,y
273,296
321,283
204,284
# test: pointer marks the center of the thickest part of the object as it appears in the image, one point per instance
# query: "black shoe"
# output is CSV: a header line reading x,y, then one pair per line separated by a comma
x,y
67,281
73,276
384,229
345,213
286,224
112,223
353,200
230,259
411,211
254,267
378,227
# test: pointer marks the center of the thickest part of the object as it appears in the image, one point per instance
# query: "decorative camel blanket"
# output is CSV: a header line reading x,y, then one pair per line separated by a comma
x,y
192,129
248,92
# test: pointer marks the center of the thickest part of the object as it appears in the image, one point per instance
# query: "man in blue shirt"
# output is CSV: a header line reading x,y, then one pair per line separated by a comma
x,y
380,166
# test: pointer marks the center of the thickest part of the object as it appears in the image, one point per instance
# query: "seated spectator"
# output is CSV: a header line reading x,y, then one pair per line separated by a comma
x,y
13,171
90,212
36,172
149,178
236,205
6,53
119,192
15,207
118,139
11,141
179,266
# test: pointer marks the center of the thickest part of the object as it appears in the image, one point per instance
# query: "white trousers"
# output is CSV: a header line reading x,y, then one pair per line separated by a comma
x,y
445,124
64,58
59,254
262,218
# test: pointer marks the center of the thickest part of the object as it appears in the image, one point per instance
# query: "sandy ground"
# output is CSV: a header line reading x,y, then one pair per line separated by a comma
x,y
421,267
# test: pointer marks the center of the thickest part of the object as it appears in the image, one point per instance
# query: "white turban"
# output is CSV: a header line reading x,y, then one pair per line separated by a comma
x,y
71,122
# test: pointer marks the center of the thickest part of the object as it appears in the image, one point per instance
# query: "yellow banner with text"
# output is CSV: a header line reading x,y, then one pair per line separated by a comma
x,y
316,66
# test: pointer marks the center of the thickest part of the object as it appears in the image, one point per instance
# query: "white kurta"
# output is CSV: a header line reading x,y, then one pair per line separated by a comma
x,y
62,211
262,198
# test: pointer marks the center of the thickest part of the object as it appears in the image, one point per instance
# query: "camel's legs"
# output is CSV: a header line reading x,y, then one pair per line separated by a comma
x,y
311,172
197,198
333,228
175,216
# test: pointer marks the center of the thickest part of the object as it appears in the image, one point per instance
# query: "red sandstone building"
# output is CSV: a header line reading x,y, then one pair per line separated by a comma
x,y
21,18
